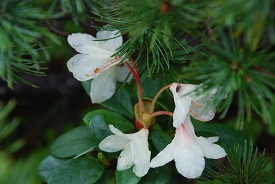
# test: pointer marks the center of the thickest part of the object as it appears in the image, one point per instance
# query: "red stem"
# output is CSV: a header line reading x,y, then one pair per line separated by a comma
x,y
140,97
135,66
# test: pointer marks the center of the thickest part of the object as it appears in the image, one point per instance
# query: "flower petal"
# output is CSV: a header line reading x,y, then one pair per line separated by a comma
x,y
213,139
187,154
122,72
83,65
86,44
181,111
103,87
189,128
203,109
116,131
113,143
80,65
125,159
182,98
140,153
189,161
209,149
111,44
165,156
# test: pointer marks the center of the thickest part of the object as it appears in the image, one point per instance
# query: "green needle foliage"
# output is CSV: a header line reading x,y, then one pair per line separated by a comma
x,y
239,71
78,10
7,127
152,27
246,165
21,36
251,18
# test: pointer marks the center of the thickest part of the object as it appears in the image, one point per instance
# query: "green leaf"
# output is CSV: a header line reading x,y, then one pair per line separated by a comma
x,y
159,175
120,103
159,139
48,165
110,117
179,179
87,86
126,176
150,87
271,127
100,129
72,143
106,178
226,133
84,170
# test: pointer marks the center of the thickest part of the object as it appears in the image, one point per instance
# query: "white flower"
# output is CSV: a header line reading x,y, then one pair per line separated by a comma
x,y
95,62
135,150
188,151
187,102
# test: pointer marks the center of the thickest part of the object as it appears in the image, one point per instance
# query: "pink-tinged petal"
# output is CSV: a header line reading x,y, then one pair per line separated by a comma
x,y
86,44
165,156
125,159
140,152
189,128
103,87
209,149
188,156
113,143
122,72
111,44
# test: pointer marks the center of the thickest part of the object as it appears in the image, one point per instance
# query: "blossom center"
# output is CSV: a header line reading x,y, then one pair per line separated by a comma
x,y
144,119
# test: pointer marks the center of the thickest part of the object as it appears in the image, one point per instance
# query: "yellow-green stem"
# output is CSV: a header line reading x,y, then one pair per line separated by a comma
x,y
151,110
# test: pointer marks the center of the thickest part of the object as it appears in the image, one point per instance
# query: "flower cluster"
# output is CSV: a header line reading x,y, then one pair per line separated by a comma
x,y
186,148
96,61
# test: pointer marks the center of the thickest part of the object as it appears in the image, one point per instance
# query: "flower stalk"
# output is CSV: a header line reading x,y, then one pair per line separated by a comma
x,y
144,111
136,77
154,114
156,97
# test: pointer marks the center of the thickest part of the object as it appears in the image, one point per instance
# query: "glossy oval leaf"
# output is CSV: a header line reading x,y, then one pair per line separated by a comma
x,y
159,175
72,143
126,176
87,86
160,139
112,118
120,103
226,133
82,170
48,165
99,128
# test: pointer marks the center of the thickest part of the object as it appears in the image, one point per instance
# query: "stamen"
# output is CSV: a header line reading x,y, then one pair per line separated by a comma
x,y
98,70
